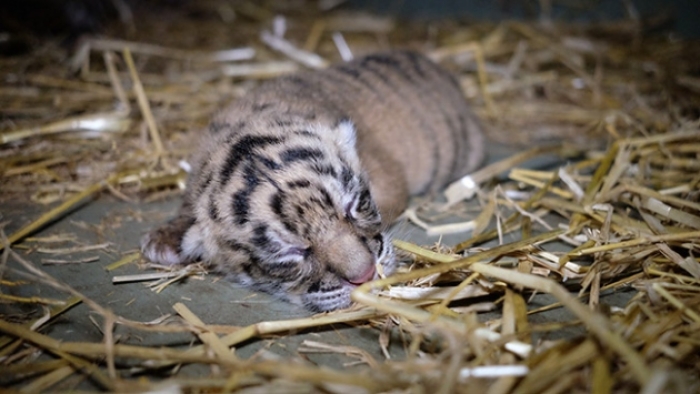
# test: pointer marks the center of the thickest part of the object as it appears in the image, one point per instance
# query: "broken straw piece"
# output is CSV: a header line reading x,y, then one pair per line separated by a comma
x,y
287,48
279,26
434,293
463,189
442,229
466,187
259,70
571,183
342,45
493,371
233,55
100,122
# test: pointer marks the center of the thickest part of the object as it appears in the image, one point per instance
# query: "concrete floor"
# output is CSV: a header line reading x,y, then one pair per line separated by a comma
x,y
214,301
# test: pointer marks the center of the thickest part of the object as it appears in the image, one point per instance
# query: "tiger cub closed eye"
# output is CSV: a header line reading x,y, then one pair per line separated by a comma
x,y
294,184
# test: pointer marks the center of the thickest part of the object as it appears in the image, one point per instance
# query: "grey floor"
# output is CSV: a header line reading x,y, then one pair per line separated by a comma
x,y
215,301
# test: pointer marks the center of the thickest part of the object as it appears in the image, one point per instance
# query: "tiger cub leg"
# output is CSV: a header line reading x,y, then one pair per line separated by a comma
x,y
163,245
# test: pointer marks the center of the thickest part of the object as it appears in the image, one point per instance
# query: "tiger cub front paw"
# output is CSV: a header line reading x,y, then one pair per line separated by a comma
x,y
162,245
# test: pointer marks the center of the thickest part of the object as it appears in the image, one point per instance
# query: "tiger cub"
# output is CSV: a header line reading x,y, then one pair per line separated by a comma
x,y
294,184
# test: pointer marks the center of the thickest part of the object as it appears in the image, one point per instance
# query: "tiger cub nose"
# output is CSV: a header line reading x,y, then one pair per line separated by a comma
x,y
364,277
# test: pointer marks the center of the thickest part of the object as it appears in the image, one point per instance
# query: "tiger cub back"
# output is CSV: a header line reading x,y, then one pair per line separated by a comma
x,y
294,183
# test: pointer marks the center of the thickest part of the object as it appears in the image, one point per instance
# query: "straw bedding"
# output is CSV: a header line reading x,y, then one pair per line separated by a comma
x,y
116,115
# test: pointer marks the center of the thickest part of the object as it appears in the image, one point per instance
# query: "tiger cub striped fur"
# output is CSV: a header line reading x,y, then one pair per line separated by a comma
x,y
294,184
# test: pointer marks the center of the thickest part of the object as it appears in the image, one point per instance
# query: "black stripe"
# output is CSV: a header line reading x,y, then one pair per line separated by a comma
x,y
216,127
346,176
365,204
460,138
299,81
301,154
327,200
415,60
306,232
267,162
237,246
241,205
259,107
250,267
363,241
298,184
355,75
308,87
242,150
315,287
306,133
323,169
239,126
281,269
277,204
290,226
213,209
454,144
241,200
281,123
261,240
204,184
436,165
380,239
390,62
349,70
380,74
443,74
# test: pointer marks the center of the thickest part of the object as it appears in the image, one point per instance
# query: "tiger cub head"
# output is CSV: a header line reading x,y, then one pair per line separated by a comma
x,y
290,212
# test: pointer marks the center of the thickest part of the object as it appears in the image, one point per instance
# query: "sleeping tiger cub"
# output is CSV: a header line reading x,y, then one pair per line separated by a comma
x,y
294,184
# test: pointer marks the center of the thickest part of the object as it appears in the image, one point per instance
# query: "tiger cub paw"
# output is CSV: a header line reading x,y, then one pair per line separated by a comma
x,y
162,245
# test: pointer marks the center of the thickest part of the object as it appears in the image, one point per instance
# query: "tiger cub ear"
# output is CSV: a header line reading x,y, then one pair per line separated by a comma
x,y
345,135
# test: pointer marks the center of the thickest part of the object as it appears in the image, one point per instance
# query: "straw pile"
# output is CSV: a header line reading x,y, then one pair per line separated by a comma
x,y
117,116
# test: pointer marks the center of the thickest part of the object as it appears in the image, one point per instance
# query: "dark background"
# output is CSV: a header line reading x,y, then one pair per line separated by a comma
x,y
75,17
